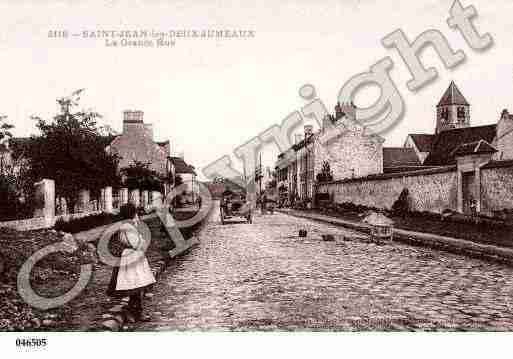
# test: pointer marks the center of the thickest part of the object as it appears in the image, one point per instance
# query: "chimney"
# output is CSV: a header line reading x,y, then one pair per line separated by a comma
x,y
149,130
133,120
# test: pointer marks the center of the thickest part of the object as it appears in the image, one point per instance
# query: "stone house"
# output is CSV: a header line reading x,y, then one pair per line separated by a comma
x,y
136,143
349,148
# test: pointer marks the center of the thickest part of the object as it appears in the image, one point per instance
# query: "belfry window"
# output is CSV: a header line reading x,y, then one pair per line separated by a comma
x,y
444,114
461,112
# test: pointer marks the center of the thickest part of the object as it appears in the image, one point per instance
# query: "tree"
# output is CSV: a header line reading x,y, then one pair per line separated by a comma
x,y
139,176
71,151
5,128
16,184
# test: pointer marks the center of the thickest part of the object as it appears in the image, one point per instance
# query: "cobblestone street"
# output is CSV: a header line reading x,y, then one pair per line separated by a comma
x,y
262,276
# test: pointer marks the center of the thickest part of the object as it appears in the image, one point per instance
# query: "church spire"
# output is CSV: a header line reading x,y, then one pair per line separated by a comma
x,y
453,96
453,110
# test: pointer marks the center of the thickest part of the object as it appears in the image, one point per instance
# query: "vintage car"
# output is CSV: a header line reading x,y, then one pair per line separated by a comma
x,y
234,206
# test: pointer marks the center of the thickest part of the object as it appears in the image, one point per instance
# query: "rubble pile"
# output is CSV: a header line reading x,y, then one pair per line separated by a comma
x,y
60,267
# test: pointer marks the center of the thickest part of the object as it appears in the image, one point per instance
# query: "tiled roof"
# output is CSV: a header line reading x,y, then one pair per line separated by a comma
x,y
446,142
473,148
422,141
452,96
181,166
399,157
403,169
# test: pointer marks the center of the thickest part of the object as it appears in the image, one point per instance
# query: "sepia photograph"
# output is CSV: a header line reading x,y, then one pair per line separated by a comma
x,y
269,172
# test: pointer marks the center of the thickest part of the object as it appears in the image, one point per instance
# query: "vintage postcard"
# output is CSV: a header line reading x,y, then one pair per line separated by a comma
x,y
295,167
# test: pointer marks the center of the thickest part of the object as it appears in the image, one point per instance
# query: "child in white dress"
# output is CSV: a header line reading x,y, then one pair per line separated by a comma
x,y
133,275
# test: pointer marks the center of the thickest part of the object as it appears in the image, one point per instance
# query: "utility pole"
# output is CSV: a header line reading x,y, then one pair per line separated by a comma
x,y
260,175
306,165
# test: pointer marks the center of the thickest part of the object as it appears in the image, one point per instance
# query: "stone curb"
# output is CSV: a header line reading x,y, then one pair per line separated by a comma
x,y
448,244
117,316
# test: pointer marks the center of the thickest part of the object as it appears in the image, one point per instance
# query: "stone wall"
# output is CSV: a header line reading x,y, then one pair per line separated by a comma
x,y
31,224
429,190
497,188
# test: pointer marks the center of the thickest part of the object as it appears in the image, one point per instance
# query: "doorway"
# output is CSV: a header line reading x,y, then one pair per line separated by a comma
x,y
468,186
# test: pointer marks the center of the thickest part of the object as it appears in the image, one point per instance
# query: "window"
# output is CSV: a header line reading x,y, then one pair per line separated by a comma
x,y
444,114
461,114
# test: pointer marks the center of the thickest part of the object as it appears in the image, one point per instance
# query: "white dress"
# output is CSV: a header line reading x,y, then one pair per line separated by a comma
x,y
134,269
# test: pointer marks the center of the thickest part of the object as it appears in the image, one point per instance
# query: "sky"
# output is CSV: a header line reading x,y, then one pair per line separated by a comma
x,y
209,96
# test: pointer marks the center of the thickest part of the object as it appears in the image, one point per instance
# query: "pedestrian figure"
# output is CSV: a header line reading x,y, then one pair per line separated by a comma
x,y
473,210
264,204
133,275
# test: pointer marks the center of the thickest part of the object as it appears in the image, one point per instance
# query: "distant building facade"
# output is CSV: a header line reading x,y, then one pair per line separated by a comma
x,y
188,175
351,151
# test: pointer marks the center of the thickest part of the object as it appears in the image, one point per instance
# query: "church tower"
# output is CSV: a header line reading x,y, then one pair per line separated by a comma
x,y
453,111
